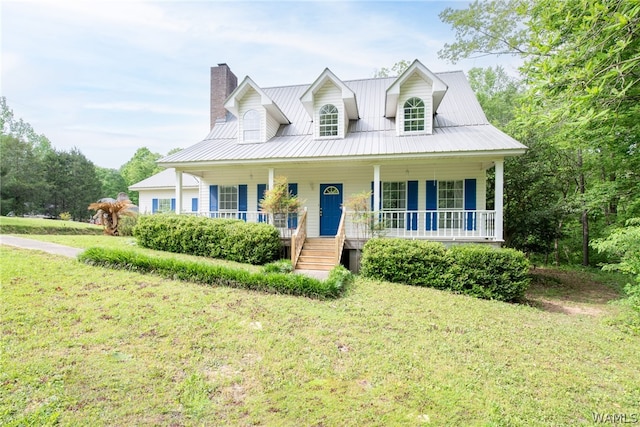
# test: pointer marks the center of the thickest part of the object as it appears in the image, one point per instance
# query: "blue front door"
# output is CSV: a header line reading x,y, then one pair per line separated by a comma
x,y
330,208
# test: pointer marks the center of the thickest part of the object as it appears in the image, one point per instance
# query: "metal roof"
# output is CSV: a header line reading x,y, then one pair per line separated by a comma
x,y
165,179
460,127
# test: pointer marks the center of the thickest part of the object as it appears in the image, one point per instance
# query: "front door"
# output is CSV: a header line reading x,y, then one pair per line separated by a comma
x,y
330,208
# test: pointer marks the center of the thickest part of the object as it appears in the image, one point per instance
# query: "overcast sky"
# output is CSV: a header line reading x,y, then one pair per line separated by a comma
x,y
109,77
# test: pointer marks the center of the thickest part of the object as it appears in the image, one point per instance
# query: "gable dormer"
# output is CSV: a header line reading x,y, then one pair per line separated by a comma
x,y
258,116
330,104
413,99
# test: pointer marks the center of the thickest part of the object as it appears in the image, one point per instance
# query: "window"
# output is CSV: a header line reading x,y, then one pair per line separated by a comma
x,y
164,205
228,198
251,126
328,120
451,198
394,199
414,115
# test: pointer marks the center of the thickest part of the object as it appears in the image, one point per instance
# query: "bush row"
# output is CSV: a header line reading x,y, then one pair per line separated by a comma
x,y
230,239
476,270
218,275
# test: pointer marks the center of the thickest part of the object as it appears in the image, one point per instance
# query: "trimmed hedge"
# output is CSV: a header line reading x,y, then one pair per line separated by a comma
x,y
230,239
475,270
217,275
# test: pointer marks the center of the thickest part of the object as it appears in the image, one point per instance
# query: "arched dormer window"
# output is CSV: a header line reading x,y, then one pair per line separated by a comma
x,y
328,120
414,115
251,126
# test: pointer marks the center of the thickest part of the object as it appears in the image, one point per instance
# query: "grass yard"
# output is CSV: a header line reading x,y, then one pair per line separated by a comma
x,y
89,346
19,225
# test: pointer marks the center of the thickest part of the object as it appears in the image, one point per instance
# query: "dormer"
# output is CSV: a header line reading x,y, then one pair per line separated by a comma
x,y
413,99
258,116
330,104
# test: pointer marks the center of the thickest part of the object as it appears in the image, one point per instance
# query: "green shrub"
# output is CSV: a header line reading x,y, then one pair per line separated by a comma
x,y
486,272
414,262
475,270
281,266
230,239
217,275
126,224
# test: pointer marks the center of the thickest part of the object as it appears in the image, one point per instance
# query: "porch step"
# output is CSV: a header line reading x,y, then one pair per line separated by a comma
x,y
317,254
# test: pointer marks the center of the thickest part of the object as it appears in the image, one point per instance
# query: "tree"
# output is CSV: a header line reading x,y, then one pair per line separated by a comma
x,y
582,72
279,202
395,70
141,166
111,180
72,183
497,92
109,212
22,175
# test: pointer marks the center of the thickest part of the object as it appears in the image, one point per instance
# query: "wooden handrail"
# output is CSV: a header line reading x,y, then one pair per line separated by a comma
x,y
341,236
298,238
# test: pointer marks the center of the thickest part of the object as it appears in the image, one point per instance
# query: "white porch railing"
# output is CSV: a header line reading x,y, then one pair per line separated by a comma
x,y
285,223
440,224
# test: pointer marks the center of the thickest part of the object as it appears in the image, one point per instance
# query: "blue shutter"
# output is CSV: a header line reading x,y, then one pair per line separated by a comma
x,y
213,199
412,205
173,205
470,202
194,204
242,201
292,219
262,217
432,205
154,205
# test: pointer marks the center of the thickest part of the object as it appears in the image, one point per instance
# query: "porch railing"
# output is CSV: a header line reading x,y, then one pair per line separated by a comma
x,y
341,235
444,224
285,223
298,238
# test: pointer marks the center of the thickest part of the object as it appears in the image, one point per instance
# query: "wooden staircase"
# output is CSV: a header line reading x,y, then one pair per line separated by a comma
x,y
318,253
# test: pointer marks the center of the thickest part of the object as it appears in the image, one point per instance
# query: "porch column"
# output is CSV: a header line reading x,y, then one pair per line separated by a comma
x,y
376,187
178,191
271,178
499,202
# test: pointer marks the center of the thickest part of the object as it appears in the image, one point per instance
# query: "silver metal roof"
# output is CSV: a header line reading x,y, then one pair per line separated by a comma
x,y
165,179
460,127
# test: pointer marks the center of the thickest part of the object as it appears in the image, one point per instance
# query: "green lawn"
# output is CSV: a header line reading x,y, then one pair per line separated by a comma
x,y
19,225
89,346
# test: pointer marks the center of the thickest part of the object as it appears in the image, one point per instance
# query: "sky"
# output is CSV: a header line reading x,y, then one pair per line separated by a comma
x,y
110,77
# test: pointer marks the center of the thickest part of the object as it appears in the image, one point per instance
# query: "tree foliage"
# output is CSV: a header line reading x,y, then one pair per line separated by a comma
x,y
393,71
141,166
582,75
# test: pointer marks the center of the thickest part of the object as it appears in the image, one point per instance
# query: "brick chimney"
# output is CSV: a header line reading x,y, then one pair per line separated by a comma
x,y
223,82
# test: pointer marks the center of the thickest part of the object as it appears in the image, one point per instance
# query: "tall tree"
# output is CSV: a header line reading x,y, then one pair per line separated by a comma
x,y
141,166
73,184
112,182
582,67
22,175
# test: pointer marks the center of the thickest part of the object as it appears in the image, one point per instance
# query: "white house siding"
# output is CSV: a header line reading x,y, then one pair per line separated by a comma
x,y
271,127
329,93
415,86
355,177
251,101
145,198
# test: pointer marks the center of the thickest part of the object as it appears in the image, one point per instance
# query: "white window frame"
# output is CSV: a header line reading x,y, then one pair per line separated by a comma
x,y
451,198
394,199
228,198
329,117
414,113
251,126
164,205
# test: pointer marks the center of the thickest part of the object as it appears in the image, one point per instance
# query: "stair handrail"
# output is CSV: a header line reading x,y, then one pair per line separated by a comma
x,y
298,238
341,236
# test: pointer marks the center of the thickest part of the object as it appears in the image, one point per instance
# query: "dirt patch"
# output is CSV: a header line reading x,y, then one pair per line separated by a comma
x,y
570,292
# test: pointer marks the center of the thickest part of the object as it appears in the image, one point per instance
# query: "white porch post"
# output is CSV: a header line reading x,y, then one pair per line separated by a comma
x,y
271,178
499,196
178,191
376,187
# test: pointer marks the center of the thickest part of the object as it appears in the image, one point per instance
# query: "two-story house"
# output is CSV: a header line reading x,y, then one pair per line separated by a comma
x,y
419,142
